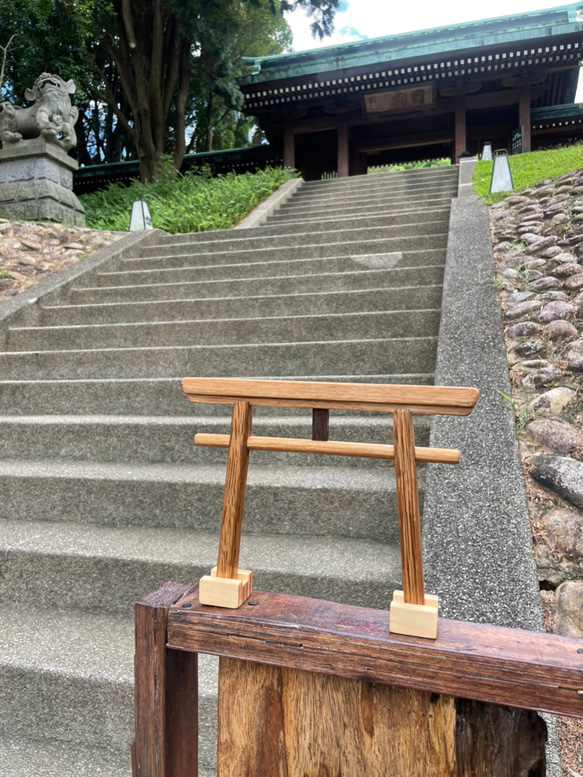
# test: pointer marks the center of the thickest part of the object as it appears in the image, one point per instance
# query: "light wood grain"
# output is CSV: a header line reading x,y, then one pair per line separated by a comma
x,y
225,592
290,723
329,448
235,484
408,508
416,620
344,396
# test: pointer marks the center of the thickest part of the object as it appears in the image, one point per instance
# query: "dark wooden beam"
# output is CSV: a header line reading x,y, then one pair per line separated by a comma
x,y
487,663
166,693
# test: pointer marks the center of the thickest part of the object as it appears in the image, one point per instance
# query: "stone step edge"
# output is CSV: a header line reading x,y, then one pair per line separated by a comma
x,y
193,321
301,215
370,420
419,195
248,236
265,262
312,276
278,249
185,547
221,346
262,230
405,378
91,305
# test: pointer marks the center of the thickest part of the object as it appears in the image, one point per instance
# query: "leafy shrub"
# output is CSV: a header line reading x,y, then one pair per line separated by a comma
x,y
194,202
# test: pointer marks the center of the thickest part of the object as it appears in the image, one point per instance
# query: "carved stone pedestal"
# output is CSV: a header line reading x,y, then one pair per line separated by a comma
x,y
36,183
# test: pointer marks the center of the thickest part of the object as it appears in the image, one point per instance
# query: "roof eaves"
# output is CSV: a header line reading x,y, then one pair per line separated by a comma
x,y
470,35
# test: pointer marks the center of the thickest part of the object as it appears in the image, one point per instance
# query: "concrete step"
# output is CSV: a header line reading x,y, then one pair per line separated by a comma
x,y
370,195
413,194
169,439
66,683
25,756
320,500
144,397
379,207
421,241
204,269
422,173
328,223
411,354
330,302
344,326
261,285
106,569
252,241
395,180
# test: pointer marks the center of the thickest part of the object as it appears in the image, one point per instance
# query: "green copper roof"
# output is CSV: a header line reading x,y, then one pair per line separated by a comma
x,y
565,111
563,20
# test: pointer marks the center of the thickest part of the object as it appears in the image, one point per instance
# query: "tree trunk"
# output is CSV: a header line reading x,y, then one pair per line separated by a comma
x,y
181,99
209,123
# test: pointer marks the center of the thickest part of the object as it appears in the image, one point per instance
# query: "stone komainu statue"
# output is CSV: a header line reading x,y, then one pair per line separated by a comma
x,y
51,116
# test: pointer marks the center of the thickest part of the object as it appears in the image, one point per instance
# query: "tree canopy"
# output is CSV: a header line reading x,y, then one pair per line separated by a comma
x,y
154,77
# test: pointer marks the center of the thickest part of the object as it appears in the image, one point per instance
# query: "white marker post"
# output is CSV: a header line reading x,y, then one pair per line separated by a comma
x,y
501,175
140,216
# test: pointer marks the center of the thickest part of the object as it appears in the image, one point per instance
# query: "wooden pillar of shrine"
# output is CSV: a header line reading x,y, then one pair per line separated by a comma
x,y
343,152
289,148
524,115
460,127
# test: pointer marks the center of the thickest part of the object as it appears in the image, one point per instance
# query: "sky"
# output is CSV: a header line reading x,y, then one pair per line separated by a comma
x,y
362,19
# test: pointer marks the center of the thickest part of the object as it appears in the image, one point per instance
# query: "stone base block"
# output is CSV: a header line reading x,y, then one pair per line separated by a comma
x,y
36,184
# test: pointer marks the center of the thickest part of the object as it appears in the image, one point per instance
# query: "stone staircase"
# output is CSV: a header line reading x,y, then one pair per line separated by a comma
x,y
103,495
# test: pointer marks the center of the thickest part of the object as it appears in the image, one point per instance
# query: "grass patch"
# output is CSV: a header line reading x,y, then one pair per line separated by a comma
x,y
529,169
4,272
195,202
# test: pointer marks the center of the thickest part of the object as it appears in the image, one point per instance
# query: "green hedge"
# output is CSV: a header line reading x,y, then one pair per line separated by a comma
x,y
195,202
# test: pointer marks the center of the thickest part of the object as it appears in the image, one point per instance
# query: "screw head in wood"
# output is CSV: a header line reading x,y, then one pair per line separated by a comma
x,y
253,602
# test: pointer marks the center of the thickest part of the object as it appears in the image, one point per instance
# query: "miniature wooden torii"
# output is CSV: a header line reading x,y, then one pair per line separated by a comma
x,y
308,687
412,611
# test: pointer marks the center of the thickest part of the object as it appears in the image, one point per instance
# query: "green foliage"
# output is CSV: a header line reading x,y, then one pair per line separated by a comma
x,y
444,162
529,169
50,36
522,414
194,202
4,272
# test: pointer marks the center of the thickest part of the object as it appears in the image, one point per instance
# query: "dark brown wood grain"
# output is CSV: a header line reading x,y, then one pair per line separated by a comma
x,y
320,424
498,741
408,508
166,689
474,661
235,486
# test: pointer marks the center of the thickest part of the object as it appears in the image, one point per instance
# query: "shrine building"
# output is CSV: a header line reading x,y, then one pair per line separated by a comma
x,y
420,95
